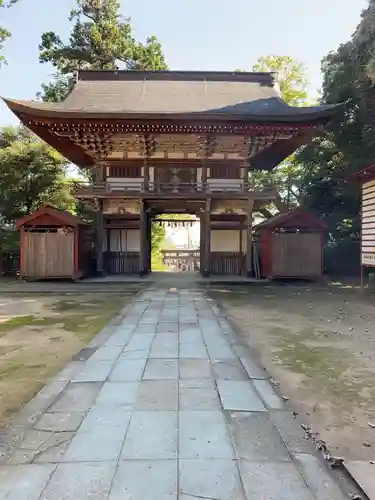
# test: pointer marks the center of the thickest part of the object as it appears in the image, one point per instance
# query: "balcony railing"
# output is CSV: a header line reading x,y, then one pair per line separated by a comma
x,y
212,186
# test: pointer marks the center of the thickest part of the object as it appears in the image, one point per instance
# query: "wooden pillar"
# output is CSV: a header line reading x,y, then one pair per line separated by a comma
x,y
249,238
99,237
206,216
245,174
204,175
143,245
146,175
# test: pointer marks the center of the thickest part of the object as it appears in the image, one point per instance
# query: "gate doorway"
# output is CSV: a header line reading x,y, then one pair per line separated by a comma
x,y
175,243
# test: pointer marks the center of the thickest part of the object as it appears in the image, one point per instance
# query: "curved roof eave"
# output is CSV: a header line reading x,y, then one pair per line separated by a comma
x,y
294,115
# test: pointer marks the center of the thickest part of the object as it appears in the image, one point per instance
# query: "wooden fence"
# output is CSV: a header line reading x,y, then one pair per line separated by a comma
x,y
296,255
121,262
48,255
227,262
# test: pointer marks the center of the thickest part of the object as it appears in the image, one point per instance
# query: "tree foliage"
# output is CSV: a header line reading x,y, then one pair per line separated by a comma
x,y
32,173
291,77
100,39
4,33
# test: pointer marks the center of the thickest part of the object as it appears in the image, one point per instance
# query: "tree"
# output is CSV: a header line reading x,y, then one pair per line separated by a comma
x,y
32,173
293,82
291,77
100,39
4,33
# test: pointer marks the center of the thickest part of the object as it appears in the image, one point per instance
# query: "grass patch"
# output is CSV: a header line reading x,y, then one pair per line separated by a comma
x,y
28,320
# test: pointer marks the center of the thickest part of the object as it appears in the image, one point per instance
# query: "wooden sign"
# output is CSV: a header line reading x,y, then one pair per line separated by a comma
x,y
368,224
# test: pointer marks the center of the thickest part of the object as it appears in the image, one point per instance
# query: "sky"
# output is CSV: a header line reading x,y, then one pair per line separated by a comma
x,y
195,35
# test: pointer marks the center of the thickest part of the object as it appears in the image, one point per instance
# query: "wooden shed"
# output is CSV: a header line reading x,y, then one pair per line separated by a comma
x,y
290,245
53,244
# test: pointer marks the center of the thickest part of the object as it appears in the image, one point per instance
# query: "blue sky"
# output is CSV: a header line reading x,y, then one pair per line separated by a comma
x,y
195,34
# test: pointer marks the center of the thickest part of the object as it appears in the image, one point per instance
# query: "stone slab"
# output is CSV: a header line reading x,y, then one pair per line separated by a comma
x,y
117,394
228,369
364,474
103,416
196,350
255,437
268,395
199,398
88,481
107,353
194,368
318,478
252,368
273,480
209,479
79,396
204,434
145,480
239,395
151,435
24,482
157,369
102,445
60,422
94,371
291,432
127,370
157,395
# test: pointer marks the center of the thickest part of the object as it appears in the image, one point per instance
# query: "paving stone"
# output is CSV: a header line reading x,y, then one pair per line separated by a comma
x,y
127,370
106,353
157,395
268,394
194,368
291,432
101,416
55,448
190,337
255,437
145,480
95,371
161,369
140,342
164,327
253,369
203,434
79,396
197,383
199,398
60,422
228,369
162,348
24,482
151,435
77,481
135,354
273,480
69,371
239,395
102,444
195,350
119,339
209,479
34,439
145,328
318,479
117,394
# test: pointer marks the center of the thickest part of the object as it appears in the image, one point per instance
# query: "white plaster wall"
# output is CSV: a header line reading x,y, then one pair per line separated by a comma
x,y
133,240
123,239
224,240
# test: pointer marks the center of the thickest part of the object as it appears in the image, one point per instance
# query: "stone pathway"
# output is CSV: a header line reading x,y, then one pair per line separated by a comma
x,y
169,406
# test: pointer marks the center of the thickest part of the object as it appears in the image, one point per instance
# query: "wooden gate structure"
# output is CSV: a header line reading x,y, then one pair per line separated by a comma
x,y
53,245
291,245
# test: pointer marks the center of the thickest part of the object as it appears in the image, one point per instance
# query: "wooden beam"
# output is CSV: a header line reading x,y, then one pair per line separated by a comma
x,y
206,268
249,238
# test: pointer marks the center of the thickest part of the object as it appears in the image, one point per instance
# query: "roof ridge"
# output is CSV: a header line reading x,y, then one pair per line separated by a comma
x,y
265,78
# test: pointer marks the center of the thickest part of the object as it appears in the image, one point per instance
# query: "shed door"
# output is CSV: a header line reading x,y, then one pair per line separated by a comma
x,y
296,255
49,255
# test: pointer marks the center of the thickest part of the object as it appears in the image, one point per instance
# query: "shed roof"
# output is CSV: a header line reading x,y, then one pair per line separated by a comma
x,y
177,94
366,174
310,220
63,216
